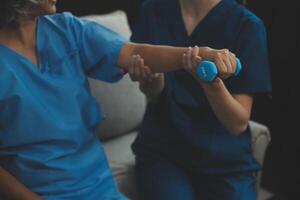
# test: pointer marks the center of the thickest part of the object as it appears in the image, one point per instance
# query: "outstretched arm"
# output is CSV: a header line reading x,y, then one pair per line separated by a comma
x,y
161,58
158,58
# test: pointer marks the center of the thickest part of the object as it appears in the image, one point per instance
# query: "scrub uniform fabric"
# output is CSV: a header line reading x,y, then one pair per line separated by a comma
x,y
182,127
48,115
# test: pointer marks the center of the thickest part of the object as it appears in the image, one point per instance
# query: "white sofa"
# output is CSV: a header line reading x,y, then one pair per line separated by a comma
x,y
124,106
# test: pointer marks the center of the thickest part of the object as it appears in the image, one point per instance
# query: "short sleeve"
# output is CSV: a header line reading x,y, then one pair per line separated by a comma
x,y
251,49
99,49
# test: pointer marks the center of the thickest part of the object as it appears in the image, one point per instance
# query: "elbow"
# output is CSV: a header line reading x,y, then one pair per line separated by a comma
x,y
126,53
238,129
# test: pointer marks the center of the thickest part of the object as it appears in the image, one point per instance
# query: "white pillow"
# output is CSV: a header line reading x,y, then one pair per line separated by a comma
x,y
116,21
122,102
123,105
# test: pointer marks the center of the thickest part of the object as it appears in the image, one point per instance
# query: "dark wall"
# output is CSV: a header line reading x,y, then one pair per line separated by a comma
x,y
282,164
85,7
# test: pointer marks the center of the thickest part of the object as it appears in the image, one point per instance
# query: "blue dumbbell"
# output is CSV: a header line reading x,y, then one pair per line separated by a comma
x,y
207,70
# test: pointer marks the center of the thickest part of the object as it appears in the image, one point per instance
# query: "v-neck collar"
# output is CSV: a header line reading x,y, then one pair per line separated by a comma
x,y
34,66
210,19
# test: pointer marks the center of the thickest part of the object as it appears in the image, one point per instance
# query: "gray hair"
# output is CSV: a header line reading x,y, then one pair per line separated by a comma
x,y
12,10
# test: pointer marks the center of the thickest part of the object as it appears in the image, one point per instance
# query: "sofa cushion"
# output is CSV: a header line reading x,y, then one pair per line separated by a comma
x,y
260,140
121,158
117,21
122,103
121,161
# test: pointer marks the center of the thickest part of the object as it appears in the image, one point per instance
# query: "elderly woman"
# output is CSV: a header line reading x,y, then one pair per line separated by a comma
x,y
47,114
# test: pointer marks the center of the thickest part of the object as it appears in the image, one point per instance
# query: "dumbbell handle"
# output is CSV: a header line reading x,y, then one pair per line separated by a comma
x,y
207,70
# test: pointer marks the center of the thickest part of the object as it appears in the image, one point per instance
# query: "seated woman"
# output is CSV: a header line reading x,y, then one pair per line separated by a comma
x,y
47,114
195,141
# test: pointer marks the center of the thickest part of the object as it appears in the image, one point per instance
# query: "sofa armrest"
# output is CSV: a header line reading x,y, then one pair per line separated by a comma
x,y
261,138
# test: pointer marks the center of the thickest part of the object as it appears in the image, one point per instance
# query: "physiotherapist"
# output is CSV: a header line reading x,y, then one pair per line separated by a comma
x,y
195,140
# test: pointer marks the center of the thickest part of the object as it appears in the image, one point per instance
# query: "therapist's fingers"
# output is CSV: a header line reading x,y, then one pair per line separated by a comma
x,y
228,64
131,68
233,62
147,73
194,56
184,61
150,75
137,70
198,59
144,74
189,59
190,62
222,69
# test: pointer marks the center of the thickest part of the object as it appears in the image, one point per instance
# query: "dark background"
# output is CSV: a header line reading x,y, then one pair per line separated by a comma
x,y
281,112
282,163
84,7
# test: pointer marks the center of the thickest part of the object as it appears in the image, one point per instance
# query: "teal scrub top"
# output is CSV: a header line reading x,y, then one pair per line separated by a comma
x,y
182,126
48,115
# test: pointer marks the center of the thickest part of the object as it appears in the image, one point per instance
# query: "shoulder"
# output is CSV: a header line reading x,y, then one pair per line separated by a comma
x,y
249,20
61,28
242,25
61,20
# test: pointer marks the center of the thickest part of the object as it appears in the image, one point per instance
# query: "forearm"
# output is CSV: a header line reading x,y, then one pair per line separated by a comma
x,y
231,113
12,189
159,58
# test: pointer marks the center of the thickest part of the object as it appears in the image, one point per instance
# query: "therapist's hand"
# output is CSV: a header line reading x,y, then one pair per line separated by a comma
x,y
224,60
151,84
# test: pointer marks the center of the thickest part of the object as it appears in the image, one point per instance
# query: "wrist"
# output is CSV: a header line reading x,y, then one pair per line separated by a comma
x,y
213,86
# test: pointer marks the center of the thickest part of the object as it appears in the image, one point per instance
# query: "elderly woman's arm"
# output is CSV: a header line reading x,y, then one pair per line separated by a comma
x,y
158,58
11,188
161,58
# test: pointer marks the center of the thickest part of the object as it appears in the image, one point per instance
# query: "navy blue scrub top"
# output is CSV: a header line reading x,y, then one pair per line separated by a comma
x,y
48,115
182,125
